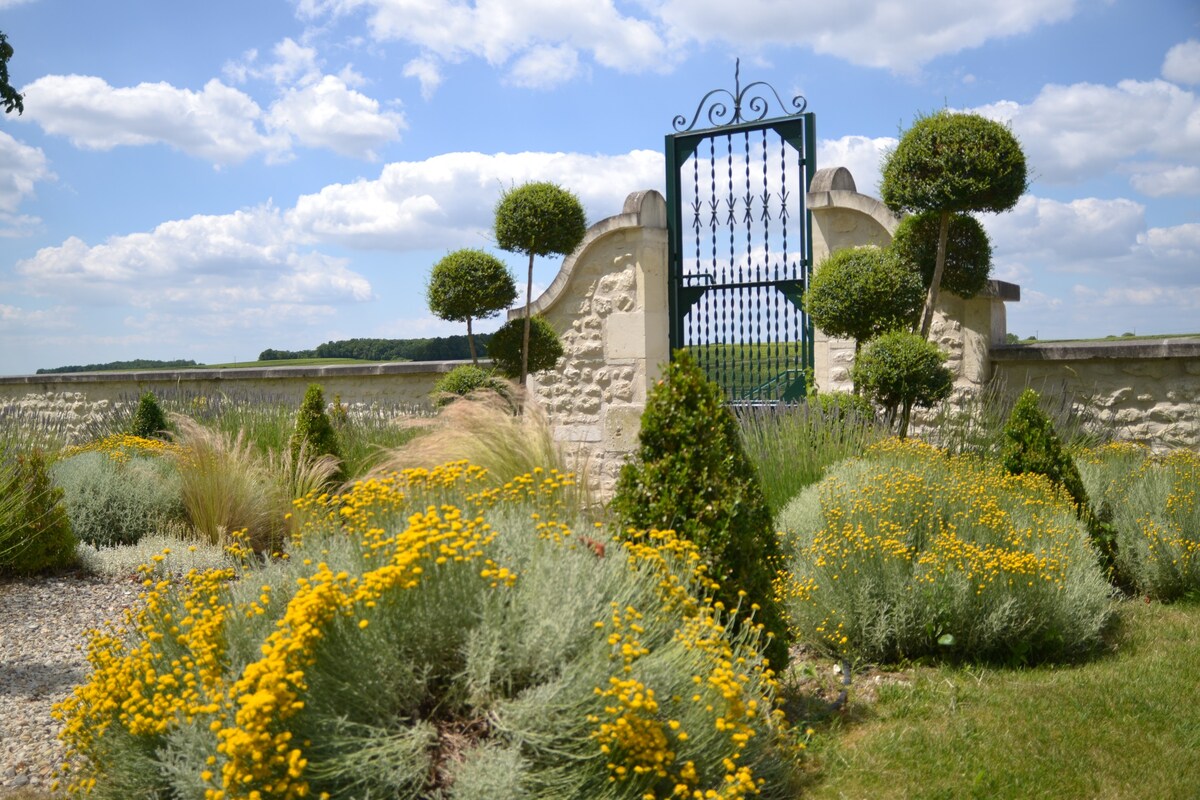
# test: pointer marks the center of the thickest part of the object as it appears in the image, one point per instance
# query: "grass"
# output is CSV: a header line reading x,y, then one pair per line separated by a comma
x,y
1114,727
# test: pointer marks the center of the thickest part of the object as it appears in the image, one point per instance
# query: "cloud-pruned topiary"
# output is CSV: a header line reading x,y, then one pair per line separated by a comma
x,y
952,163
968,251
691,475
505,348
862,292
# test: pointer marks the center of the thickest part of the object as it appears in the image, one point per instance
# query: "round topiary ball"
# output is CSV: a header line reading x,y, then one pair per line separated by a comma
x,y
968,251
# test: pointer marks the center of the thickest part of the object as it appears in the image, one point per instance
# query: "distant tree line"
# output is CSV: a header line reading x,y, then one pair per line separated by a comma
x,y
137,363
442,348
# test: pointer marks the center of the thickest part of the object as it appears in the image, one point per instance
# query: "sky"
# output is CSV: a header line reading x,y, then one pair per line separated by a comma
x,y
206,180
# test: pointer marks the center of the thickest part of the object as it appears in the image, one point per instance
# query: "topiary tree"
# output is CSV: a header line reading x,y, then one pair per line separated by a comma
x,y
1032,445
968,251
314,432
470,284
149,422
538,219
952,163
526,345
691,475
862,292
900,370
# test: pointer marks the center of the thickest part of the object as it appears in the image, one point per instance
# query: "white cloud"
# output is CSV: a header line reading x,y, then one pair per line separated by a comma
x,y
1081,235
544,67
205,263
861,155
448,200
426,71
1078,131
218,123
884,34
24,320
1165,180
329,114
293,64
1182,64
21,168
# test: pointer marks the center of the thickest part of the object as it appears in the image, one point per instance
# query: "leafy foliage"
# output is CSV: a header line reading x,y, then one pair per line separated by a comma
x,y
545,348
954,162
968,251
539,219
470,284
35,533
149,421
862,292
113,501
900,370
314,431
691,475
10,98
465,380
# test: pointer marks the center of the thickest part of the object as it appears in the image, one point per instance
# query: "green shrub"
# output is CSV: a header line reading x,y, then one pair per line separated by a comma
x,y
314,432
504,348
118,502
911,553
465,380
149,422
691,475
35,533
535,662
863,292
900,370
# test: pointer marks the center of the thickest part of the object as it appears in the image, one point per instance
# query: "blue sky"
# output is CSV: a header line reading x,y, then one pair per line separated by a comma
x,y
207,180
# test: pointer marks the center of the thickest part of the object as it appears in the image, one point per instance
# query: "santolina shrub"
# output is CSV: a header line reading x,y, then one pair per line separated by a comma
x,y
433,634
1150,502
909,552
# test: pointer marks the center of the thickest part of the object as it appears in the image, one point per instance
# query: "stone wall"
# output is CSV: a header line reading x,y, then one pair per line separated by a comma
x,y
609,305
1146,391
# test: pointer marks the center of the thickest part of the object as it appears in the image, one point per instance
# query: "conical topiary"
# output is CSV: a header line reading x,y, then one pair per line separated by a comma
x,y
692,475
314,432
149,422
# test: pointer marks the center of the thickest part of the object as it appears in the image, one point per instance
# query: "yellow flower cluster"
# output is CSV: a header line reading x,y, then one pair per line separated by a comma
x,y
259,751
641,737
172,676
121,447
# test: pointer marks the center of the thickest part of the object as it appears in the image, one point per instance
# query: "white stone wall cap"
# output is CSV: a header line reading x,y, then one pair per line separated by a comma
x,y
1166,347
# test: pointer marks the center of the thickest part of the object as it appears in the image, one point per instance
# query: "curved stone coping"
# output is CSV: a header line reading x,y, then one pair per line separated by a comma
x,y
1166,347
1001,290
241,373
644,209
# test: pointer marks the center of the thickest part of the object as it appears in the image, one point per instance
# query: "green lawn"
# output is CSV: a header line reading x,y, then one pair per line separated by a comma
x,y
1123,725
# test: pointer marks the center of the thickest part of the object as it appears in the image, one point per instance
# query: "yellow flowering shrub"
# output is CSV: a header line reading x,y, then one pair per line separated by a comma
x,y
911,552
423,613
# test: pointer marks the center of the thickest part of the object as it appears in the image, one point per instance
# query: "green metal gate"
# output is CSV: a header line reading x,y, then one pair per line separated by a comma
x,y
740,255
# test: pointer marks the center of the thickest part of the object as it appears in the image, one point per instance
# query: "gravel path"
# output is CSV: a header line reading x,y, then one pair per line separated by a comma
x,y
43,622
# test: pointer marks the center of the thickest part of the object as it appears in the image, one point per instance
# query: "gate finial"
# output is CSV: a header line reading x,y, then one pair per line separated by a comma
x,y
759,104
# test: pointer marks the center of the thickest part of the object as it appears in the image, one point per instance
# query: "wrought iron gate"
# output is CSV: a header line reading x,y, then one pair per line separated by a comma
x,y
739,249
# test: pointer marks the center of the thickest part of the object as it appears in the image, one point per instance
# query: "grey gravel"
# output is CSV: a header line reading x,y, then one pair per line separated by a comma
x,y
43,627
